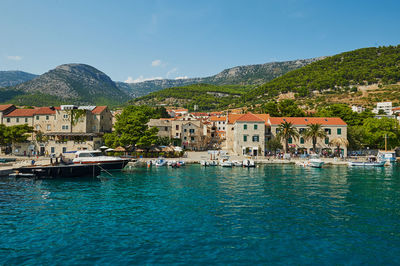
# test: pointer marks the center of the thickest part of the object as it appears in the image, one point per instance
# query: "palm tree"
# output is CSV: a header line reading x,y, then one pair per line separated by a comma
x,y
338,142
287,131
314,132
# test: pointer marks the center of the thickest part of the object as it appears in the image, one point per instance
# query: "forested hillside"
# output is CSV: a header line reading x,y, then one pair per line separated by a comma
x,y
205,96
339,73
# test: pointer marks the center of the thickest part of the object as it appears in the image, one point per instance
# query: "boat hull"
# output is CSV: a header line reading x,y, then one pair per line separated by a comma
x,y
368,164
61,171
107,165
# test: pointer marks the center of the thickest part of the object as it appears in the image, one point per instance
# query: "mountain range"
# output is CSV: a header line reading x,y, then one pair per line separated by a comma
x,y
84,84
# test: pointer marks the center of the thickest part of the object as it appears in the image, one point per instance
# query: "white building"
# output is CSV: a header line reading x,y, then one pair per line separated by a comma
x,y
357,109
385,106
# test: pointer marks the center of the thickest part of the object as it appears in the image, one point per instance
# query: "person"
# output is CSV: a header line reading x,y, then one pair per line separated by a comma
x,y
33,162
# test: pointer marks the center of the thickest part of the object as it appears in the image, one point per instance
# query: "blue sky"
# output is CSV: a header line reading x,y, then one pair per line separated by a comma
x,y
137,40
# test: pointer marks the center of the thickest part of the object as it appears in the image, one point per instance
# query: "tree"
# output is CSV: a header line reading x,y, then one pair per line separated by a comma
x,y
17,134
375,129
287,131
271,108
149,138
289,107
339,142
314,132
274,144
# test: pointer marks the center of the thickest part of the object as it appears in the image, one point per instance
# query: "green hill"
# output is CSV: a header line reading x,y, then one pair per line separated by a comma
x,y
339,74
204,96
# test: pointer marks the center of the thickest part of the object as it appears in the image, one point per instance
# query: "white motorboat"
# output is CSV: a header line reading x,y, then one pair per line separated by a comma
x,y
204,163
368,164
249,163
387,156
171,162
161,162
225,163
315,162
237,163
106,162
212,163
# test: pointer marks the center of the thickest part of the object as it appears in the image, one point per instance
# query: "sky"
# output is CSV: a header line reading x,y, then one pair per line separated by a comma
x,y
138,40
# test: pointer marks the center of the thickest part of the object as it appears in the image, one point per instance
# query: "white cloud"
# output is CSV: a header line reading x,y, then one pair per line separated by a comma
x,y
156,63
172,71
140,79
14,57
183,77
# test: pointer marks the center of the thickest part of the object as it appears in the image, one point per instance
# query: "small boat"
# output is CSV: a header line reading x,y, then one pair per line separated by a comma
x,y
226,163
237,163
58,171
7,160
249,163
97,157
212,163
161,162
181,163
171,162
315,163
366,164
204,163
387,156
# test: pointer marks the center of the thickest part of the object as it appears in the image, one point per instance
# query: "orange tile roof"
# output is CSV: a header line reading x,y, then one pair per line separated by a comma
x,y
308,120
249,117
21,112
99,109
44,111
233,117
218,118
394,109
215,113
4,107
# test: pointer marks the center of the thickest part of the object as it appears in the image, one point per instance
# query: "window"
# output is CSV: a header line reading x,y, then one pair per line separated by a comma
x,y
328,131
301,130
48,127
37,117
177,127
17,120
339,131
185,130
65,127
166,128
37,127
184,138
290,140
64,150
255,127
65,116
326,140
245,126
277,131
52,150
301,141
256,138
8,120
47,117
26,119
244,138
191,138
191,131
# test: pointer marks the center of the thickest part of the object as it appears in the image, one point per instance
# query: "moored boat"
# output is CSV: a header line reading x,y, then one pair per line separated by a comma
x,y
249,163
371,164
97,157
59,171
160,162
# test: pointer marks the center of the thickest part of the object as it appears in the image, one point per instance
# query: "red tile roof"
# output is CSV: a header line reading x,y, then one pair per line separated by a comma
x,y
233,117
45,111
5,107
218,118
99,109
331,121
249,117
21,112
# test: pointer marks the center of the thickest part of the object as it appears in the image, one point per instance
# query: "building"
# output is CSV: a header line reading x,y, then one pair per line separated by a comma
x,y
61,129
386,108
357,109
249,134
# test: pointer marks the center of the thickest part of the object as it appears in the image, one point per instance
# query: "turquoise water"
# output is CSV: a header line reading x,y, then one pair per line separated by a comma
x,y
274,214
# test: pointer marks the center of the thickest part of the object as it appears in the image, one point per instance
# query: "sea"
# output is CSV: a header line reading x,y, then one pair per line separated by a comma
x,y
269,215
